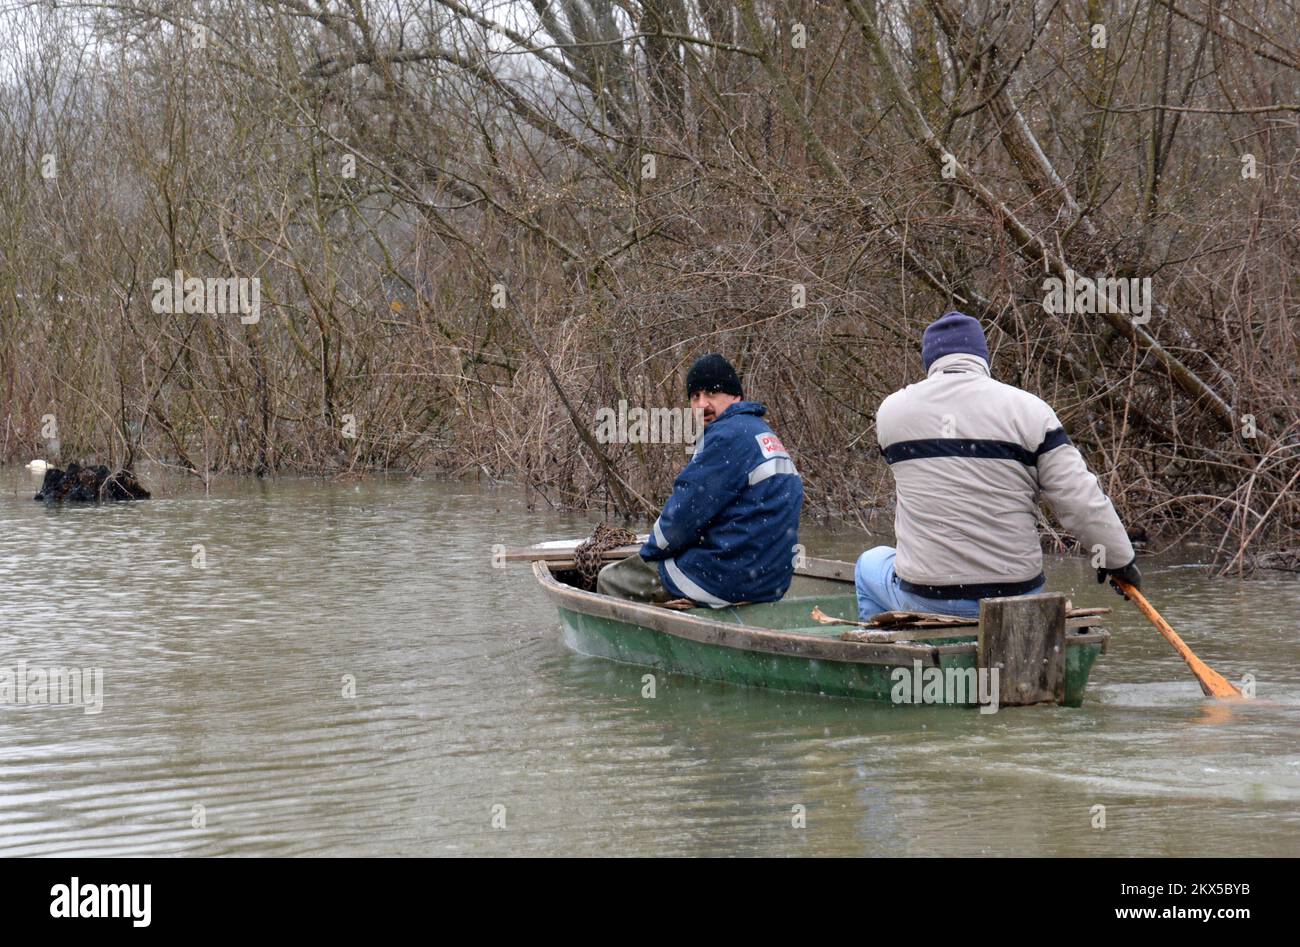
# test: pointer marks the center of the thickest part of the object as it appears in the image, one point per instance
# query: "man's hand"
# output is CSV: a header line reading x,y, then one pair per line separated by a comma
x,y
1129,574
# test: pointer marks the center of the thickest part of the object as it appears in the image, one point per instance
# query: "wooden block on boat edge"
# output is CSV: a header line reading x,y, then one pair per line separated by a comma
x,y
1024,638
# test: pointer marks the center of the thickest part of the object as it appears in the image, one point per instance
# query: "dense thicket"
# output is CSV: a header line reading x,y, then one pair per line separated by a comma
x,y
476,223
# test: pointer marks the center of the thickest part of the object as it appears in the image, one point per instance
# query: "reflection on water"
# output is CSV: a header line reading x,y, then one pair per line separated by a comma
x,y
226,730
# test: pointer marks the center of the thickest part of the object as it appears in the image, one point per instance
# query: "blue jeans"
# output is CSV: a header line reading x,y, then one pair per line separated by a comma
x,y
879,590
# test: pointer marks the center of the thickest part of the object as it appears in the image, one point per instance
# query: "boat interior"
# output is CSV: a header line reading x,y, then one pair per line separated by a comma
x,y
833,596
792,614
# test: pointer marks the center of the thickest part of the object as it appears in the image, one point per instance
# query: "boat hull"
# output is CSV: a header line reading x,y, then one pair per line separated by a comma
x,y
645,647
727,648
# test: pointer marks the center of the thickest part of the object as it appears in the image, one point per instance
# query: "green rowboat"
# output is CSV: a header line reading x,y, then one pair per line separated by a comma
x,y
779,645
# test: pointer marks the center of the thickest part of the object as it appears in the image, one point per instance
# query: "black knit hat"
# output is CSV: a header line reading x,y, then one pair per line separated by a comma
x,y
713,373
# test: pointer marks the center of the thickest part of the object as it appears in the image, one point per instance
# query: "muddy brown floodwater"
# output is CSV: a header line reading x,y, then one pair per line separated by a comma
x,y
225,729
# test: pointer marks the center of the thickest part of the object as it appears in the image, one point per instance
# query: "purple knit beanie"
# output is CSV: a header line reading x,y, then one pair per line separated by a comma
x,y
952,333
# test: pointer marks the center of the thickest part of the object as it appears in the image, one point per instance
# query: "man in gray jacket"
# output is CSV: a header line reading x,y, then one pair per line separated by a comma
x,y
970,458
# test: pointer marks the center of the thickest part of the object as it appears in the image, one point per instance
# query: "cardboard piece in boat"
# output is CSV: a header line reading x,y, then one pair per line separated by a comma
x,y
905,633
887,620
918,620
887,627
896,626
678,604
926,633
685,604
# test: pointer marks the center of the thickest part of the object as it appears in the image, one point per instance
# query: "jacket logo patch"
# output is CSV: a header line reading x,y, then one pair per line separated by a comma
x,y
770,445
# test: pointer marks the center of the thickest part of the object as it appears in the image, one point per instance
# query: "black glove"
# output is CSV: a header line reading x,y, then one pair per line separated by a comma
x,y
1129,574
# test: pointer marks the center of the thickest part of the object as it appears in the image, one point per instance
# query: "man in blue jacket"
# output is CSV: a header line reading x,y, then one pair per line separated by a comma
x,y
728,532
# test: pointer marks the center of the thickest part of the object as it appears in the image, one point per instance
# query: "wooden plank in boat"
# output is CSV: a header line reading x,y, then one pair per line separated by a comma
x,y
562,549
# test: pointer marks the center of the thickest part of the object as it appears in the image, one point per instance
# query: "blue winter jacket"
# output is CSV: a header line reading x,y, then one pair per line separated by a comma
x,y
728,532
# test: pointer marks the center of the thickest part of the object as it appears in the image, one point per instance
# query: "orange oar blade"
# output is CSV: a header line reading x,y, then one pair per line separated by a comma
x,y
1212,682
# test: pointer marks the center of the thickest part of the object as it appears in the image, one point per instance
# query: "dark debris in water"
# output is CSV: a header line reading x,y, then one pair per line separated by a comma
x,y
1283,560
79,484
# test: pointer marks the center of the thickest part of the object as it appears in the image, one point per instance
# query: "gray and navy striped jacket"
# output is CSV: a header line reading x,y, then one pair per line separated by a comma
x,y
971,457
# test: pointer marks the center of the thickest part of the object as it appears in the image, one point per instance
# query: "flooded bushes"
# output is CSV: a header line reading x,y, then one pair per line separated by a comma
x,y
463,259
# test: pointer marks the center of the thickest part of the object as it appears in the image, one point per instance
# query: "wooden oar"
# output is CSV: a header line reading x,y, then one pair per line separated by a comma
x,y
1212,682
